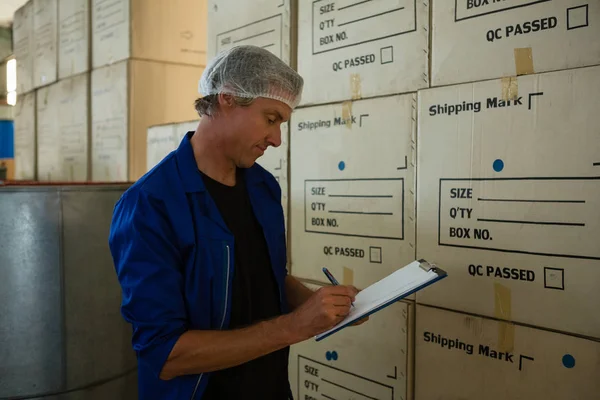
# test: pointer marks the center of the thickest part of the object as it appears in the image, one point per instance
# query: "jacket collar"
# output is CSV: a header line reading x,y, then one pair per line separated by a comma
x,y
191,177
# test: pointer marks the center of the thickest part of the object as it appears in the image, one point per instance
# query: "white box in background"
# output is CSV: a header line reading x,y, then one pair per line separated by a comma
x,y
125,104
370,361
352,189
24,48
509,198
74,125
163,139
473,40
25,152
466,357
73,37
264,23
157,30
271,25
110,123
45,32
48,133
351,49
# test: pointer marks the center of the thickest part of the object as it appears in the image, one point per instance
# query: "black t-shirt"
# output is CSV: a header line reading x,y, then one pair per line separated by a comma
x,y
255,297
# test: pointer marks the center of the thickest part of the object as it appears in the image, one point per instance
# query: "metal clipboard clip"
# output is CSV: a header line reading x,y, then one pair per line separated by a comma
x,y
427,266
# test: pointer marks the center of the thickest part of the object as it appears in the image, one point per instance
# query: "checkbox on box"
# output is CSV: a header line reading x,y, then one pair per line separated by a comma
x,y
554,278
387,55
375,255
577,17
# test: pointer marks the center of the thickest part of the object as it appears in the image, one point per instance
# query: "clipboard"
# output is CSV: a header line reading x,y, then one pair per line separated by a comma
x,y
396,286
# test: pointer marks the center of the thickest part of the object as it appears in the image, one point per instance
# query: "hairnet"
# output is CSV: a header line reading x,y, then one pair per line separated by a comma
x,y
250,71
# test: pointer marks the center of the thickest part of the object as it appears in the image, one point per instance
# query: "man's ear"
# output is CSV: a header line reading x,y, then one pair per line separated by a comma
x,y
226,100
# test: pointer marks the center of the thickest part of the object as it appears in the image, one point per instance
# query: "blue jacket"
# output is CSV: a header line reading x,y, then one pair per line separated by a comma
x,y
174,258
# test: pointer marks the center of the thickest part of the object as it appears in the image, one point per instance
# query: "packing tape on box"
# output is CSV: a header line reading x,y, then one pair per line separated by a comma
x,y
347,113
503,311
475,325
355,86
348,276
524,61
510,88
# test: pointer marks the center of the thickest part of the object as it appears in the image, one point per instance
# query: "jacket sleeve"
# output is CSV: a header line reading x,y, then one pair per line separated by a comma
x,y
149,269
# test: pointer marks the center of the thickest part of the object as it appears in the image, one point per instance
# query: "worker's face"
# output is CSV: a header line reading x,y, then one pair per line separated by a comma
x,y
250,130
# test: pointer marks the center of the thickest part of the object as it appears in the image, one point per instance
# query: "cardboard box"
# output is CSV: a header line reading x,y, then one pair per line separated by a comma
x,y
74,125
352,189
7,168
45,33
25,139
73,37
459,356
266,23
6,40
509,198
63,130
362,49
473,40
270,24
23,45
163,139
127,99
373,360
48,133
157,30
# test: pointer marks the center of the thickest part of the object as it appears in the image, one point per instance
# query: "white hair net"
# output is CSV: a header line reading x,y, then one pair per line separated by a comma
x,y
250,71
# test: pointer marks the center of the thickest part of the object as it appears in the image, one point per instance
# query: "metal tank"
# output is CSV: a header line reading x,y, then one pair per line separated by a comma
x,y
62,336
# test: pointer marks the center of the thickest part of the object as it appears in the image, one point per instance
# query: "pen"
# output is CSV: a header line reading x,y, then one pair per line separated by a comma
x,y
332,279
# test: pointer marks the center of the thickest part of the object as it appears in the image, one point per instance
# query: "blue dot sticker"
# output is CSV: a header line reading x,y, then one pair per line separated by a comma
x,y
568,361
342,165
498,165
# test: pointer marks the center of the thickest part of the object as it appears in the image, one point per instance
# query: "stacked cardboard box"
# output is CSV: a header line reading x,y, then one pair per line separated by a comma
x,y
508,201
352,187
147,58
116,67
270,24
163,139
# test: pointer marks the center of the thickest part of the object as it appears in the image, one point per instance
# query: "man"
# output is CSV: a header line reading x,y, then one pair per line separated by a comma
x,y
199,248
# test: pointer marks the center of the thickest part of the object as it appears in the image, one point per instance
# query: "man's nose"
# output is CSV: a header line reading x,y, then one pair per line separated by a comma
x,y
274,138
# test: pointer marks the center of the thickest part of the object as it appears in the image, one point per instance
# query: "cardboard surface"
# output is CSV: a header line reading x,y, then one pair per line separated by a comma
x,y
268,24
357,49
45,33
110,123
264,23
475,40
163,139
173,32
124,106
352,188
23,47
9,165
509,198
472,358
73,115
73,37
25,148
370,361
48,133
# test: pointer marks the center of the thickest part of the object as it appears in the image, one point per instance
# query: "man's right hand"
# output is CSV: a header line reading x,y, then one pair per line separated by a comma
x,y
323,310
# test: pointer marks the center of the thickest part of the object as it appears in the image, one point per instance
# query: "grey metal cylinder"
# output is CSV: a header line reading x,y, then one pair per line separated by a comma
x,y
60,324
